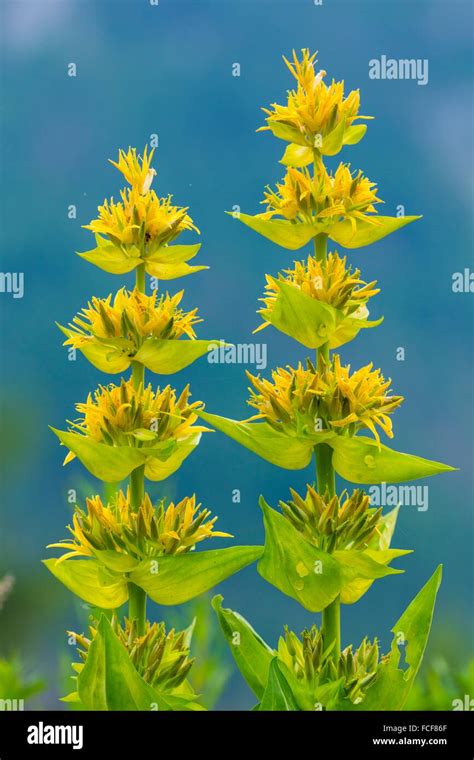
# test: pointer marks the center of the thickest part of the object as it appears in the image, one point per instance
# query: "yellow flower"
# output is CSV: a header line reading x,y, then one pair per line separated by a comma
x,y
151,531
299,400
333,523
138,219
136,169
323,199
132,316
123,415
330,281
313,110
160,658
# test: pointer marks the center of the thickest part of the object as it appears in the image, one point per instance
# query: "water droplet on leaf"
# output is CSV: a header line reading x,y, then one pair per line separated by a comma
x,y
369,461
302,570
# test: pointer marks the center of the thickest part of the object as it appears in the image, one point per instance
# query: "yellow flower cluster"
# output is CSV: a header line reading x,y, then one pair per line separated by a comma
x,y
312,664
148,532
314,109
323,198
124,415
133,316
331,281
299,400
161,658
333,523
140,216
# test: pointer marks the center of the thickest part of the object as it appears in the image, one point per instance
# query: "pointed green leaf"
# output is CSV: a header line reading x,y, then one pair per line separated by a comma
x,y
290,235
307,320
297,156
361,460
392,686
108,463
165,357
172,254
172,271
278,695
90,581
169,261
113,259
366,232
103,356
354,134
114,463
281,450
312,577
160,468
333,142
251,654
176,579
285,132
117,562
349,328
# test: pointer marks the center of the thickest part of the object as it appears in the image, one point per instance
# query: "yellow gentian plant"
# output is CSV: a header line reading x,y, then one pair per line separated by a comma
x,y
325,547
126,547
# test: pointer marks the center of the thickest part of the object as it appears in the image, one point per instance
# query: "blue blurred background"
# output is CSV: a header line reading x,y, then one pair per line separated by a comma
x,y
167,69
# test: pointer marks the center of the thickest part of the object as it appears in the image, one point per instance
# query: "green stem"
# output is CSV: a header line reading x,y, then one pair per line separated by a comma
x,y
326,481
137,607
137,597
140,278
320,246
331,628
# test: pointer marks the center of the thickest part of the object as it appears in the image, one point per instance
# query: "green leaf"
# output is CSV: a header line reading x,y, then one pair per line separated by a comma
x,y
109,681
114,463
90,581
165,357
307,320
176,579
312,577
367,232
333,142
159,467
291,453
392,686
349,328
290,235
104,357
172,271
169,261
108,463
285,132
278,695
250,652
117,562
359,564
354,134
361,460
172,254
297,156
111,258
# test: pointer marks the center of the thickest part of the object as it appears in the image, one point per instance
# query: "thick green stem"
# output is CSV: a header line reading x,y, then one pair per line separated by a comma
x,y
137,597
137,607
140,278
320,246
326,481
331,628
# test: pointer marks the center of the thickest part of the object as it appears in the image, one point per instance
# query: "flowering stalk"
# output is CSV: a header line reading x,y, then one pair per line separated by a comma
x,y
325,548
129,548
